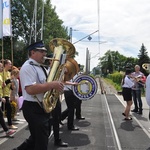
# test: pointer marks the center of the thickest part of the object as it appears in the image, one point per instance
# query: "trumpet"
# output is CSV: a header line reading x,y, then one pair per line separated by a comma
x,y
52,59
146,66
137,79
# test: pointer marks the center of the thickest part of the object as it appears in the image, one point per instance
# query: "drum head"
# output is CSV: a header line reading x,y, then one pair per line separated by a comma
x,y
87,87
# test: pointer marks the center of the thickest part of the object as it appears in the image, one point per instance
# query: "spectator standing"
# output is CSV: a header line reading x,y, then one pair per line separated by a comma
x,y
127,84
136,91
8,132
6,76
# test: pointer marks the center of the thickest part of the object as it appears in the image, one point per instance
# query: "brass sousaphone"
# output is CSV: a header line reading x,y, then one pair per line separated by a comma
x,y
63,67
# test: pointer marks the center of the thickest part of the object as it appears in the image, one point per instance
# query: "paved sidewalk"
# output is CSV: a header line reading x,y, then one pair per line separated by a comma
x,y
142,120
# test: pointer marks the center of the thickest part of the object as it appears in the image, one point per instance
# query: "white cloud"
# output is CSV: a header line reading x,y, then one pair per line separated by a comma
x,y
124,24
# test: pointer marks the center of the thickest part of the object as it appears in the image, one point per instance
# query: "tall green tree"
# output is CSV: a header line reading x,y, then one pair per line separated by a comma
x,y
116,61
143,58
23,28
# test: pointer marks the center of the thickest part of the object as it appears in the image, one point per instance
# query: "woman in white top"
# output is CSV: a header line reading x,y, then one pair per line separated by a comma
x,y
127,84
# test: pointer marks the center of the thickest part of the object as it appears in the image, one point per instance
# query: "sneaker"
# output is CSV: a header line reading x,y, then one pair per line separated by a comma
x,y
10,132
13,127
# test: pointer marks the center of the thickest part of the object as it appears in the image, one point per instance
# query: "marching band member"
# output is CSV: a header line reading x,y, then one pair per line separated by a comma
x,y
78,102
72,103
56,119
34,85
70,100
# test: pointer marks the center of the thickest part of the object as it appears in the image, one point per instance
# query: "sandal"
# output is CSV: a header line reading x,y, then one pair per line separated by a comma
x,y
124,114
127,118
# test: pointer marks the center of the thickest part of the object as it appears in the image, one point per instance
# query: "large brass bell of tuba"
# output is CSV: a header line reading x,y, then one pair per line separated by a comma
x,y
146,66
61,69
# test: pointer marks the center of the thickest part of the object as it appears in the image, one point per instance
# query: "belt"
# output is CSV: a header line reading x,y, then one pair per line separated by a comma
x,y
31,102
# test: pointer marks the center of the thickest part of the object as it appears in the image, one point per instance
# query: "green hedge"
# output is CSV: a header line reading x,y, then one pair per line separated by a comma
x,y
116,77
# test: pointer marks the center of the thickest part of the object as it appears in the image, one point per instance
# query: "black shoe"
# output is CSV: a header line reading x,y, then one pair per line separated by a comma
x,y
61,123
134,110
60,143
80,118
74,128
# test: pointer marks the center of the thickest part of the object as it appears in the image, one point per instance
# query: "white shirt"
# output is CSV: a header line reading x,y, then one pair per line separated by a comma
x,y
128,82
69,87
136,84
29,75
148,89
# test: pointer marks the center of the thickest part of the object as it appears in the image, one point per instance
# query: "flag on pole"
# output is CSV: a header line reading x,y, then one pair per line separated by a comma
x,y
1,19
7,31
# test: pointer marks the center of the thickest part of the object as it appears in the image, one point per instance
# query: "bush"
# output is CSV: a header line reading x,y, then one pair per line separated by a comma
x,y
116,77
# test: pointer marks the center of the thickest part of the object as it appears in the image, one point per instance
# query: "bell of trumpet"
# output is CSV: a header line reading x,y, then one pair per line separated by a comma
x,y
72,69
146,66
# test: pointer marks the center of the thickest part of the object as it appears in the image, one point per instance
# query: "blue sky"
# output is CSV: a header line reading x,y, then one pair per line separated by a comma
x,y
123,26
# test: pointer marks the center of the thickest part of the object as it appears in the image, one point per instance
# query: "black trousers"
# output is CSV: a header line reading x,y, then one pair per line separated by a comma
x,y
56,118
38,123
7,107
78,108
70,102
2,121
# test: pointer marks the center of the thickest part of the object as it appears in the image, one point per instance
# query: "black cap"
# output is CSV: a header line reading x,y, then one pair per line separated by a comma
x,y
35,46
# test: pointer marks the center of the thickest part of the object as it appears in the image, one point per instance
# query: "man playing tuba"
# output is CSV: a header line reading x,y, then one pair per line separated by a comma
x,y
34,85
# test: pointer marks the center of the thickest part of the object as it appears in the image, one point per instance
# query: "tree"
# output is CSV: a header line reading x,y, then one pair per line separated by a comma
x,y
114,61
22,25
143,58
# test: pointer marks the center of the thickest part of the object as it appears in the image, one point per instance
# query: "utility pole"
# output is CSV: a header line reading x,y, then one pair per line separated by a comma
x,y
42,21
35,9
87,61
70,35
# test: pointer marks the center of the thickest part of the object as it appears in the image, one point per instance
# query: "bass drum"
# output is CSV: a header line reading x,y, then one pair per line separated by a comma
x,y
87,87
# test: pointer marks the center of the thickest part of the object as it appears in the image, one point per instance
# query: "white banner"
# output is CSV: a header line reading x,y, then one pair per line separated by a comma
x,y
7,31
1,19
